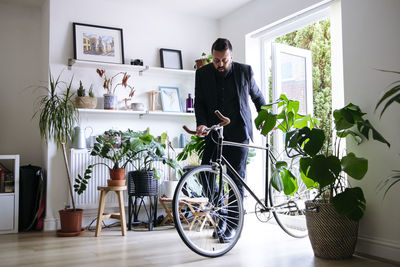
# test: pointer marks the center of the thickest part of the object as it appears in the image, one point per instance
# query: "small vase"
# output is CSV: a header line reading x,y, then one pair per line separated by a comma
x,y
110,102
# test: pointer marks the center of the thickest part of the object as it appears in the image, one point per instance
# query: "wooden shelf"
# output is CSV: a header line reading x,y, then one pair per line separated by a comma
x,y
126,67
132,112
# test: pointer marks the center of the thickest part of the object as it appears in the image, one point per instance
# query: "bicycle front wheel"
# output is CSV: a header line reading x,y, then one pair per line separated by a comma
x,y
289,210
202,216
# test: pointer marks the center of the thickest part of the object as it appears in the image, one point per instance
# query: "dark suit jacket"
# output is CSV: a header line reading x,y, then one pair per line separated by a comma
x,y
206,95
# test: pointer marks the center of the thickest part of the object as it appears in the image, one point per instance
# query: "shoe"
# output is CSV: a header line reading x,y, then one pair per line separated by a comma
x,y
221,228
228,236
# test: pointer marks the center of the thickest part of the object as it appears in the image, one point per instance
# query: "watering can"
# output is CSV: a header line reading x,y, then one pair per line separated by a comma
x,y
79,137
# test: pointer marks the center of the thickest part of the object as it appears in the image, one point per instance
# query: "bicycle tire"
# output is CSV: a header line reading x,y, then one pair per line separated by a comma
x,y
194,196
289,210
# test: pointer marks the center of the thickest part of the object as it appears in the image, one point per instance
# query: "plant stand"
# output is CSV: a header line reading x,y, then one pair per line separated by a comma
x,y
135,203
141,184
101,215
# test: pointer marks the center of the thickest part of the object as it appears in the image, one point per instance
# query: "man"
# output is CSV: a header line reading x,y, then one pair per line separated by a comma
x,y
226,86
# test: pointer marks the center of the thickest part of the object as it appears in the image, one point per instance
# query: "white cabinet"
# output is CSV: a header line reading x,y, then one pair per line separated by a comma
x,y
9,201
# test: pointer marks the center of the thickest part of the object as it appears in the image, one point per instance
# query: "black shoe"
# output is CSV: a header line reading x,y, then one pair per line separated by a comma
x,y
227,236
221,228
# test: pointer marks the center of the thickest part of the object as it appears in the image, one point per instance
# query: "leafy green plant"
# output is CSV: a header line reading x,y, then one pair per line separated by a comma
x,y
209,57
392,95
285,119
196,145
326,172
57,117
122,148
148,149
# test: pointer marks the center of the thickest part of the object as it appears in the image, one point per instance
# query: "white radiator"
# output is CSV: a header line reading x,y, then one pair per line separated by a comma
x,y
80,159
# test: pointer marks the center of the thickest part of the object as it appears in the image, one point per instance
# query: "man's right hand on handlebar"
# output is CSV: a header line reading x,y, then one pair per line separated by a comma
x,y
201,130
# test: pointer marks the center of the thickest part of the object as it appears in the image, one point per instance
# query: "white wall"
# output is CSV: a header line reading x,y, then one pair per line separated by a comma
x,y
20,57
371,38
146,28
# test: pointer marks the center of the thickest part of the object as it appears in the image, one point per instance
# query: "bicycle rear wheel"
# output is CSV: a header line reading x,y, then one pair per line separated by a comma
x,y
199,211
289,210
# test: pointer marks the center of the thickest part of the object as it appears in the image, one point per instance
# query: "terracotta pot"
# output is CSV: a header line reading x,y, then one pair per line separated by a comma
x,y
201,62
117,174
71,220
116,182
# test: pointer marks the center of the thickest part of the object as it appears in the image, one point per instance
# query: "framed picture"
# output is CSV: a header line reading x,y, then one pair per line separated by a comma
x,y
170,99
171,59
98,43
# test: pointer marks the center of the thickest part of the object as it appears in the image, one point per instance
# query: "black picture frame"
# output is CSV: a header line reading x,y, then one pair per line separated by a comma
x,y
98,43
171,59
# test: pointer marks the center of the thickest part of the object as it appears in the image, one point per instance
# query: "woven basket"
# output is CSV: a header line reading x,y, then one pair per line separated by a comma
x,y
332,236
86,102
142,183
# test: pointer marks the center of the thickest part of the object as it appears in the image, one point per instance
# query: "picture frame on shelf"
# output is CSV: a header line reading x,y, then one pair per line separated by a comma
x,y
170,99
98,43
171,59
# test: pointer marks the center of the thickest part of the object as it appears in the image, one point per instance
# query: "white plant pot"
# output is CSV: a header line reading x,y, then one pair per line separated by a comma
x,y
169,188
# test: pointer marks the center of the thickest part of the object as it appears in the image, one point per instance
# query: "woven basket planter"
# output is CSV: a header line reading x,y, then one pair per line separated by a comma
x,y
86,102
142,183
332,236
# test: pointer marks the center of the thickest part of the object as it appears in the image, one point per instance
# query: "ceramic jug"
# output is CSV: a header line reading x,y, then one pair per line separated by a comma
x,y
79,137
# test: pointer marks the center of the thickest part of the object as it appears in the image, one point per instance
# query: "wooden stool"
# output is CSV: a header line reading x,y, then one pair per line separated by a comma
x,y
120,216
169,216
197,207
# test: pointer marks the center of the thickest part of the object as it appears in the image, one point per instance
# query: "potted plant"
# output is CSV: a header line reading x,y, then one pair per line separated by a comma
x,y
204,60
148,150
115,147
57,116
392,95
83,101
332,217
110,99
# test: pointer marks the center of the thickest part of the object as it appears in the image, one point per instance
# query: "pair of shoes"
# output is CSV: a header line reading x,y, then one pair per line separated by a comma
x,y
227,236
221,228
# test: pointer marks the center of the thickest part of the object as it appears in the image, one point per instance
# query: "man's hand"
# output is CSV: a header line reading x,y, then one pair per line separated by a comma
x,y
201,130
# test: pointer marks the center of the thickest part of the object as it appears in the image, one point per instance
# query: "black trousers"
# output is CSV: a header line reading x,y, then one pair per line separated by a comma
x,y
237,157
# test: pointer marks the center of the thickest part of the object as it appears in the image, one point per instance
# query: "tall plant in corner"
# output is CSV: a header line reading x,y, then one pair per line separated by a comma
x,y
57,116
392,95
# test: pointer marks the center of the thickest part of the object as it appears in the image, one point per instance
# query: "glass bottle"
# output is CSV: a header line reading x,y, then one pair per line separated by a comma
x,y
189,104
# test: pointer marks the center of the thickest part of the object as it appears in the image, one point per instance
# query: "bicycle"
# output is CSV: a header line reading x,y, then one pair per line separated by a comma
x,y
206,196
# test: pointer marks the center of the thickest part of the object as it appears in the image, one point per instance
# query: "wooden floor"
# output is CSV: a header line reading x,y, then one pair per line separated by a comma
x,y
260,245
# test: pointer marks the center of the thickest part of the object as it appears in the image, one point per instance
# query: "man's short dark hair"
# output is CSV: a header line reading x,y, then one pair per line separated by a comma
x,y
221,44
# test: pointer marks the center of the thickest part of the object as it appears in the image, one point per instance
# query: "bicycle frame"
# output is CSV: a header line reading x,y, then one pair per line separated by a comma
x,y
220,161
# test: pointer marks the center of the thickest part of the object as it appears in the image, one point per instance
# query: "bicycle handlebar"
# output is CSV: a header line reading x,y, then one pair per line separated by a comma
x,y
224,121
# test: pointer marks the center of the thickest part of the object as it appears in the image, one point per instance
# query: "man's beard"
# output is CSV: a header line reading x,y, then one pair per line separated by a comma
x,y
223,71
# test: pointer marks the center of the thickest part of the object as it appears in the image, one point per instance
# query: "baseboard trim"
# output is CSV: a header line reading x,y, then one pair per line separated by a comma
x,y
380,249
